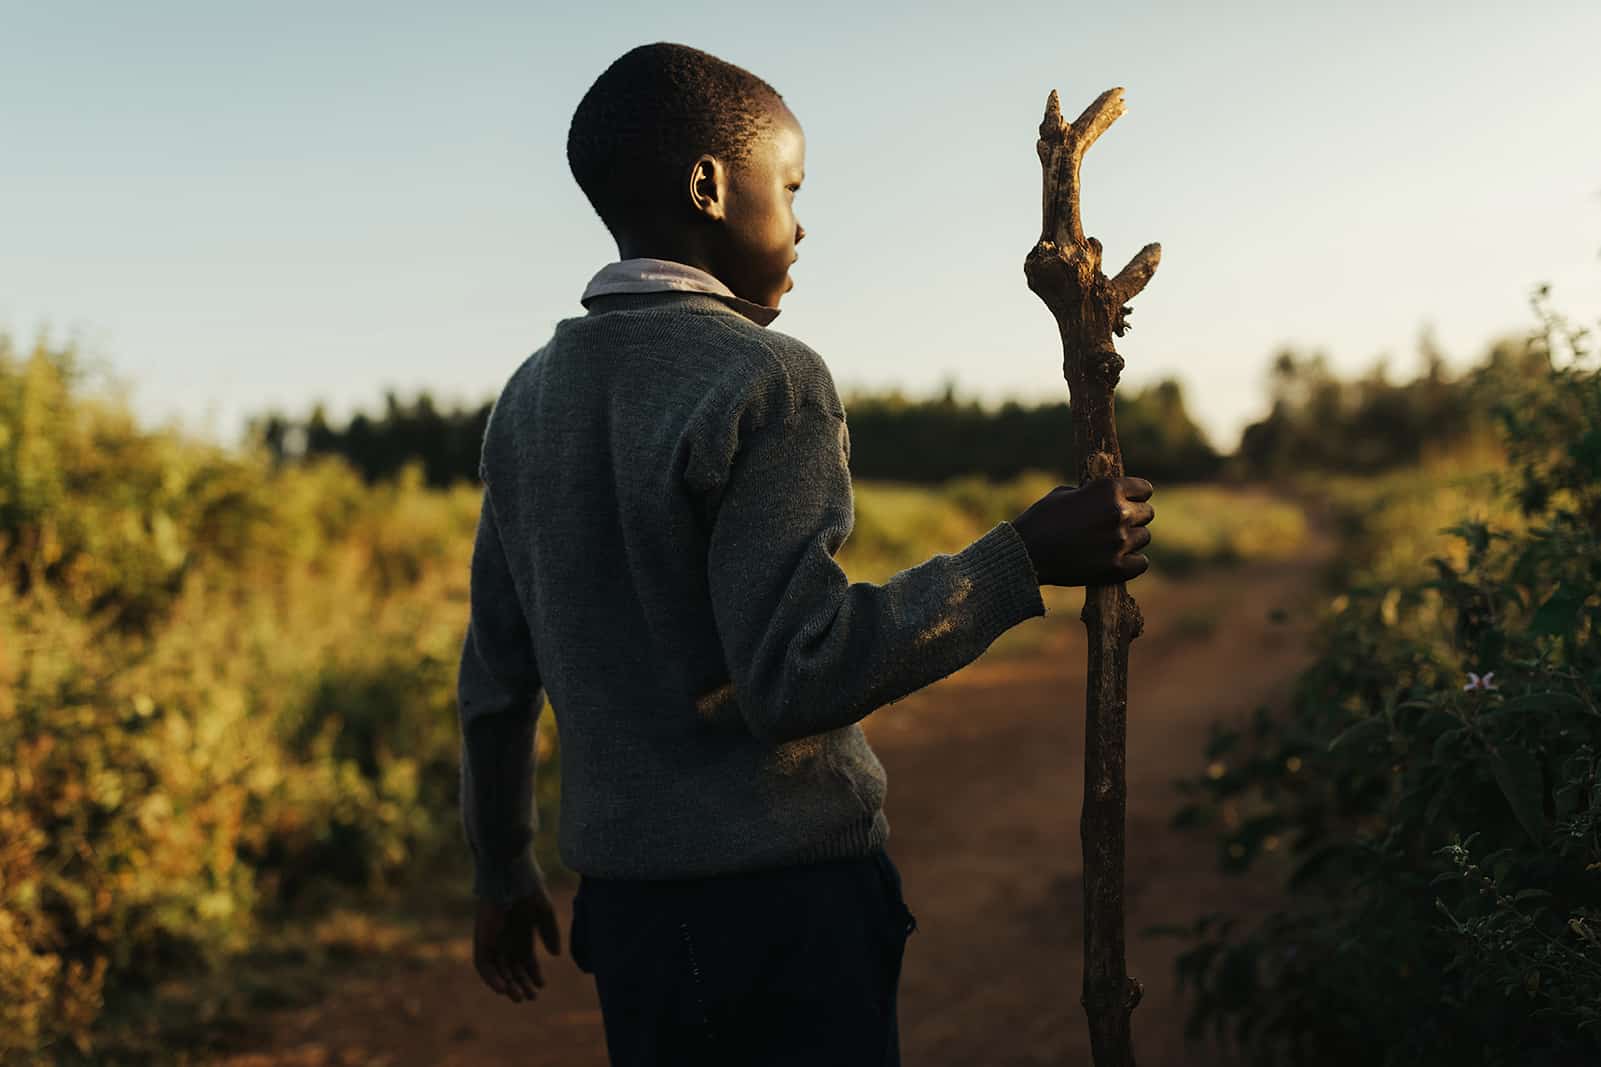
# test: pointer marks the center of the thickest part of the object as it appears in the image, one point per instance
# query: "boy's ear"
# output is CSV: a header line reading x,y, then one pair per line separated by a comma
x,y
708,186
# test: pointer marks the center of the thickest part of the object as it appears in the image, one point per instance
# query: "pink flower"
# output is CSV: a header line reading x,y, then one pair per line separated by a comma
x,y
1475,682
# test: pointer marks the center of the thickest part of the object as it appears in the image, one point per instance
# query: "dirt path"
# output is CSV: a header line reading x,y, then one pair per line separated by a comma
x,y
985,781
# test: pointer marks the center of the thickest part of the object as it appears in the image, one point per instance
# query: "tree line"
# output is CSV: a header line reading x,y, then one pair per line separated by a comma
x,y
1317,421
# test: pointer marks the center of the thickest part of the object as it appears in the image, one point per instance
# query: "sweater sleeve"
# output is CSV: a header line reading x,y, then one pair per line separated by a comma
x,y
499,697
808,650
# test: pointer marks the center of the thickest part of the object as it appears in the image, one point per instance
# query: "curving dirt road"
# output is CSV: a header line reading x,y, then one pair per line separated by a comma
x,y
985,776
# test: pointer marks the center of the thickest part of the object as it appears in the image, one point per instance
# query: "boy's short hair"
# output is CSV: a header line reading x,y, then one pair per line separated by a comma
x,y
649,115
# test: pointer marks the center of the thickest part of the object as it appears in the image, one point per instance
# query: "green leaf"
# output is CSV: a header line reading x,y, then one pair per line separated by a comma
x,y
1555,616
1550,700
1517,772
1314,864
1363,731
1476,534
1443,743
1434,721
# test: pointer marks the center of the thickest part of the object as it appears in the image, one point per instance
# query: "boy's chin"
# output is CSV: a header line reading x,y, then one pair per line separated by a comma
x,y
772,297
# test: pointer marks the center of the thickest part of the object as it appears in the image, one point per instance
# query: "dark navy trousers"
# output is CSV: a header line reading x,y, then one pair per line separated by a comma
x,y
777,968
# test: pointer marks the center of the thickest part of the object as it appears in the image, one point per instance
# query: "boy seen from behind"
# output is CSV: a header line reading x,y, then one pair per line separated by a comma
x,y
666,485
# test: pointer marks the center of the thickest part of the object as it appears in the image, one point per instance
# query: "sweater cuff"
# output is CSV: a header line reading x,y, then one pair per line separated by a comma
x,y
1003,576
501,883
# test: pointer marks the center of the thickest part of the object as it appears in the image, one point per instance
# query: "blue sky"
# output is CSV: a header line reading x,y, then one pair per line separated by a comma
x,y
240,206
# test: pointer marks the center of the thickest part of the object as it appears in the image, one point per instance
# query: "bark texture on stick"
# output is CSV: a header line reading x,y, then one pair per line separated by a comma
x,y
1064,270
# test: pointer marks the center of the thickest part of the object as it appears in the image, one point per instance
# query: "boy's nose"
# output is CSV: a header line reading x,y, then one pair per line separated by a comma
x,y
800,232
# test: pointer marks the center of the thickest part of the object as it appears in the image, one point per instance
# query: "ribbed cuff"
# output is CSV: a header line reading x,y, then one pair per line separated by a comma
x,y
502,883
1006,588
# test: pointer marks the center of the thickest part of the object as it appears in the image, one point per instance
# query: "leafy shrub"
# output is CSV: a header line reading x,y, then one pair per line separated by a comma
x,y
226,695
1432,796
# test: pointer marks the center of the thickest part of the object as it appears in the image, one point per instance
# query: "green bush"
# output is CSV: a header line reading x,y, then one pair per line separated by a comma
x,y
226,697
1440,836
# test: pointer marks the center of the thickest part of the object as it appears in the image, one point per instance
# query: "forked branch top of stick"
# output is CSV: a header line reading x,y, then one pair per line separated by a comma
x,y
1061,147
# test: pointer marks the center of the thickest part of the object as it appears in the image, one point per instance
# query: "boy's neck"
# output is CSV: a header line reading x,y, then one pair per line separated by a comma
x,y
686,252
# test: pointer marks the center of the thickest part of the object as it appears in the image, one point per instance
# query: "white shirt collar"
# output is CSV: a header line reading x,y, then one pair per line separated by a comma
x,y
646,275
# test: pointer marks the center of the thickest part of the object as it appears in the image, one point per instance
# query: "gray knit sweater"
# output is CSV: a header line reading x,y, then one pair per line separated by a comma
x,y
665,489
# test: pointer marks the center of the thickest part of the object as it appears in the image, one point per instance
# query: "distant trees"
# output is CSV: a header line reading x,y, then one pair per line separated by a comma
x,y
929,441
1318,422
445,442
924,441
1369,424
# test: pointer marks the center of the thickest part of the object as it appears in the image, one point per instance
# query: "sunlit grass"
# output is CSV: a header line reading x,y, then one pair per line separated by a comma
x,y
1196,527
899,526
1392,524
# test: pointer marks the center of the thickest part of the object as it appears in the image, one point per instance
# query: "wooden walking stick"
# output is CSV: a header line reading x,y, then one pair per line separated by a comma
x,y
1064,270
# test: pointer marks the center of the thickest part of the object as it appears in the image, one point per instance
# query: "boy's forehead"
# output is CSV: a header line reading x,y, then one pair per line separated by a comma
x,y
786,140
780,117
779,144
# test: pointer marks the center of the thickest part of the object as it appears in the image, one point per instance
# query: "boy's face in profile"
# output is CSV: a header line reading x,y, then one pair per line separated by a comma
x,y
755,245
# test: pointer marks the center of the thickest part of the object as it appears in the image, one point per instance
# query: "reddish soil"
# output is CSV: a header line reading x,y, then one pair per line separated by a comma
x,y
985,782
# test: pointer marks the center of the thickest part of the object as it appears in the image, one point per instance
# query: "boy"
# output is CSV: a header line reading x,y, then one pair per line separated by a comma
x,y
665,487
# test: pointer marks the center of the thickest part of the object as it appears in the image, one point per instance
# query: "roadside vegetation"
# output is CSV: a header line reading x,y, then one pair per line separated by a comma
x,y
1429,795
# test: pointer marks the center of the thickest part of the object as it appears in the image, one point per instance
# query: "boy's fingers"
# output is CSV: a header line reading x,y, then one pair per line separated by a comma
x,y
517,978
487,932
1140,514
1132,566
503,983
526,983
1136,488
524,963
491,975
550,931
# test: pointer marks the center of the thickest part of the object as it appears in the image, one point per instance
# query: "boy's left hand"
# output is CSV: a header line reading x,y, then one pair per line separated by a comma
x,y
503,944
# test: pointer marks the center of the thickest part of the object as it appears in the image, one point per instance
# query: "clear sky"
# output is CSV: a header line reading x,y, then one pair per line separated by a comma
x,y
246,205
